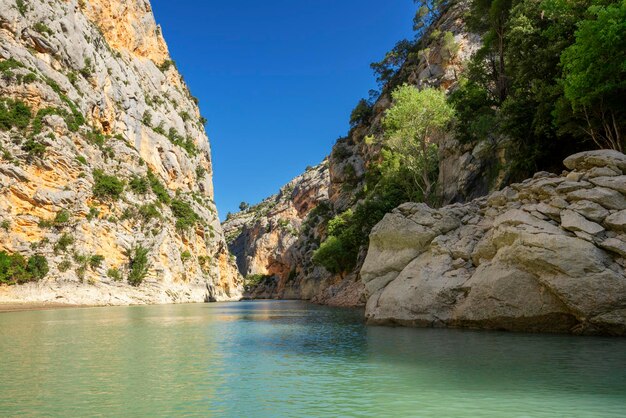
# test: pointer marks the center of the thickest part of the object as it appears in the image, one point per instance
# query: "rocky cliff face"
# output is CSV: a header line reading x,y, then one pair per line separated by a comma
x,y
104,155
267,239
544,255
462,177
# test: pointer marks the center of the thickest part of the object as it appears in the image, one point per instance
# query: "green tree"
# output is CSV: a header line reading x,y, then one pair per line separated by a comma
x,y
107,187
361,113
138,265
412,126
389,66
594,73
491,17
427,12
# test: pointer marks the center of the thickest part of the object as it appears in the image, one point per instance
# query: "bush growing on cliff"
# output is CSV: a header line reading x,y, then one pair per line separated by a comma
x,y
138,265
185,256
14,113
158,188
106,187
34,148
184,213
63,243
139,185
166,65
16,269
361,113
42,28
114,274
95,261
252,280
148,212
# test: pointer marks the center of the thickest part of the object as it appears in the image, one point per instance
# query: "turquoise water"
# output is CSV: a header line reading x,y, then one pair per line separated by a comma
x,y
291,359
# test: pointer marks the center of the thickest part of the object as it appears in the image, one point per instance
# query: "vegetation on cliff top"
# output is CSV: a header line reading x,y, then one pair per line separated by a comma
x,y
550,76
16,269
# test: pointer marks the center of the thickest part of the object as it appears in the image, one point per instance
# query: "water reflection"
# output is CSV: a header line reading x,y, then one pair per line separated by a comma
x,y
293,359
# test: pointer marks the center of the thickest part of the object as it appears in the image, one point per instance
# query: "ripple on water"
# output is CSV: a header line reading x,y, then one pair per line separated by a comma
x,y
293,359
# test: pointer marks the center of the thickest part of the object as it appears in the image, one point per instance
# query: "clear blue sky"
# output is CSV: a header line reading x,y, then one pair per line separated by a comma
x,y
277,79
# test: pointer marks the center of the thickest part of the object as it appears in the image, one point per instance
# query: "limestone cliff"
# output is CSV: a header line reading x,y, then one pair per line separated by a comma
x,y
268,242
104,156
544,255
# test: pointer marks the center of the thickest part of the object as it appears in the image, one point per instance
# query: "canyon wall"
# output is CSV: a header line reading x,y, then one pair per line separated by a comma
x,y
105,166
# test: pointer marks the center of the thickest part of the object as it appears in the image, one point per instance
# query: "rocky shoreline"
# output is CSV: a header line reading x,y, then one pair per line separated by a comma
x,y
546,255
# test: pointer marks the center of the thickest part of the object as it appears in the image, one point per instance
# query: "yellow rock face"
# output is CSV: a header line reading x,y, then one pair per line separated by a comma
x,y
129,25
99,101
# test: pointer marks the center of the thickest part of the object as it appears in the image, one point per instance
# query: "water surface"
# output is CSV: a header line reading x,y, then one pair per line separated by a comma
x,y
291,359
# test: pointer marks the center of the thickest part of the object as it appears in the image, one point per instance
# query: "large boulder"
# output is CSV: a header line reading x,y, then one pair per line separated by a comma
x,y
546,255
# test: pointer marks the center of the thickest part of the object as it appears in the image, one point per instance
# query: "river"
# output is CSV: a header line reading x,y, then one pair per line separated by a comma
x,y
293,359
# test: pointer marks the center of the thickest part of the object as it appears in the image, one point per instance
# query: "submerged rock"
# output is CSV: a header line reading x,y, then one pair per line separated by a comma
x,y
540,267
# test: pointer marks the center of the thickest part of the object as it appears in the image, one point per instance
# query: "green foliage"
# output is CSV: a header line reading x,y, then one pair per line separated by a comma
x,y
42,28
81,159
95,261
449,47
14,113
139,185
93,213
158,188
64,266
96,137
340,152
166,65
427,12
62,217
361,113
200,172
349,232
37,267
87,69
147,118
149,211
34,148
535,79
186,143
114,274
21,7
475,111
594,73
16,269
138,265
412,126
253,280
184,213
106,187
336,254
244,206
406,172
389,66
6,225
185,256
63,243
9,64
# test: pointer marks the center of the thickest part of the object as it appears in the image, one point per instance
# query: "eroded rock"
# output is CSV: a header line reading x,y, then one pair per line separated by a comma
x,y
543,267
